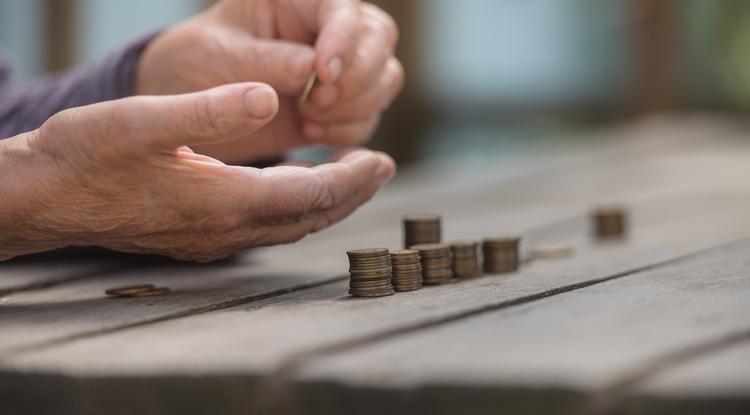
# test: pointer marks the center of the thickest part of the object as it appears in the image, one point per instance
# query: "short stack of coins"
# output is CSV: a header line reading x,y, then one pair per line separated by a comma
x,y
407,270
421,229
436,263
609,222
500,254
465,259
370,272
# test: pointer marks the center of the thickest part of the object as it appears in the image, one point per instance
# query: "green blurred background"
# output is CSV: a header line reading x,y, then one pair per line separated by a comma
x,y
484,76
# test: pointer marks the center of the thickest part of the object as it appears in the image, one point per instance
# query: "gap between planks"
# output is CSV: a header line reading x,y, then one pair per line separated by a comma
x,y
247,299
296,361
73,277
14,352
612,395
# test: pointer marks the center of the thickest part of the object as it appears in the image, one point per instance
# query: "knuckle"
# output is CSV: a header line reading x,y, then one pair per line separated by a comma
x,y
203,119
322,196
387,24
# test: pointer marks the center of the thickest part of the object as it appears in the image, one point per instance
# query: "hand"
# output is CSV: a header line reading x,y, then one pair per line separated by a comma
x,y
270,42
117,175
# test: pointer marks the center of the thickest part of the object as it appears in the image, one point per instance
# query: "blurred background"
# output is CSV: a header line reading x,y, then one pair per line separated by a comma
x,y
483,76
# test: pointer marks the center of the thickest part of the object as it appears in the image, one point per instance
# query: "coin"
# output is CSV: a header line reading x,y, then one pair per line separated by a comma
x,y
128,290
436,262
500,254
370,272
551,252
465,259
421,229
154,292
609,222
308,89
407,269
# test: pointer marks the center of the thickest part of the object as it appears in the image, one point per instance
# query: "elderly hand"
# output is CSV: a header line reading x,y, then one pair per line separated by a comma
x,y
350,45
117,175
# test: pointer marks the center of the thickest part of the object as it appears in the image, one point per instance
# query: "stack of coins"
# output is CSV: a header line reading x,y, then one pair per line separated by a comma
x,y
407,270
500,254
609,222
436,263
465,259
370,271
421,229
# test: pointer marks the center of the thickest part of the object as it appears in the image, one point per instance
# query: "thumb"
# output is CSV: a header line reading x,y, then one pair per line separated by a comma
x,y
167,122
284,65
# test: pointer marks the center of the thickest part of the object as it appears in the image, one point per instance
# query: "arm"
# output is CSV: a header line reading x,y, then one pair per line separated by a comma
x,y
25,107
117,175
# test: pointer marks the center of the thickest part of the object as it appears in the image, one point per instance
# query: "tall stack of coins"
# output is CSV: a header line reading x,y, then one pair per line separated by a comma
x,y
500,254
407,270
609,222
465,259
421,229
370,271
436,263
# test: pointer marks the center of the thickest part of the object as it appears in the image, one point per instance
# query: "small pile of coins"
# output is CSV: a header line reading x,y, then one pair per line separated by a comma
x,y
609,222
465,259
143,290
421,229
370,271
407,270
500,254
436,263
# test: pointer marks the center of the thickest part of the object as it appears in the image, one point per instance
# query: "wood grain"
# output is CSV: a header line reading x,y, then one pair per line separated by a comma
x,y
231,329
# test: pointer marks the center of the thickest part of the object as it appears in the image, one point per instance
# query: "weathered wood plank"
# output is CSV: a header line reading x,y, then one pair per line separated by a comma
x,y
586,341
721,372
54,315
26,275
262,337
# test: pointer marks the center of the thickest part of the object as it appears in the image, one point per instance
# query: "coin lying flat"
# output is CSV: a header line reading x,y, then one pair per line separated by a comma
x,y
551,252
154,292
129,290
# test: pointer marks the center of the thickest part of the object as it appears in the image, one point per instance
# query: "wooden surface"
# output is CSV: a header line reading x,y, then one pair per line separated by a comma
x,y
657,322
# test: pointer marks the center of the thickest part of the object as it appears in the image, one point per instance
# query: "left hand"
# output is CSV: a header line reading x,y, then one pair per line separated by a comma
x,y
350,45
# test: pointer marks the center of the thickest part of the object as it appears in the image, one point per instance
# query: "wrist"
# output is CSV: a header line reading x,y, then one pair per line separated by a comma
x,y
24,216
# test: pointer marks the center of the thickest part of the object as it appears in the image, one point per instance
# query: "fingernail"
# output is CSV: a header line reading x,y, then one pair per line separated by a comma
x,y
335,66
313,132
260,102
386,170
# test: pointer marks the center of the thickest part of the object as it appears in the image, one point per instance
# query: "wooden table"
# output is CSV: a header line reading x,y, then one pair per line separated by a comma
x,y
657,322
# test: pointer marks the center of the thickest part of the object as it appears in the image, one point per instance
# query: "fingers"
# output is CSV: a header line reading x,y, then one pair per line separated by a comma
x,y
373,101
320,219
286,66
342,134
149,123
377,43
339,23
289,195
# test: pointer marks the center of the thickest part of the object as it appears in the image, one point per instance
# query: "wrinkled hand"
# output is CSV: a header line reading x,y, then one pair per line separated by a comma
x,y
117,175
350,45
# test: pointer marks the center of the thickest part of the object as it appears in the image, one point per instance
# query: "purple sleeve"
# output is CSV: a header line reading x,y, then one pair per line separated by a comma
x,y
26,107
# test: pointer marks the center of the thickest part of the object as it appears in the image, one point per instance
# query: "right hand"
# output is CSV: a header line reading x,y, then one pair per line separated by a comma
x,y
117,175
